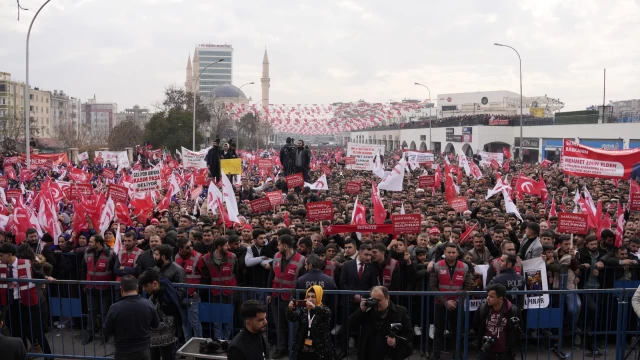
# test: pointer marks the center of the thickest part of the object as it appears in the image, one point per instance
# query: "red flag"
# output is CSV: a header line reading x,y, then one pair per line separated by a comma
x,y
634,188
143,206
552,211
78,175
449,188
122,213
544,194
25,175
80,222
379,213
438,177
615,182
359,214
165,202
287,220
545,163
506,152
619,225
465,235
505,166
562,207
527,185
10,172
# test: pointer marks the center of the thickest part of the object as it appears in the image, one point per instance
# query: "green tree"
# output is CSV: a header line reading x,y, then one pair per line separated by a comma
x,y
171,129
249,127
125,134
178,98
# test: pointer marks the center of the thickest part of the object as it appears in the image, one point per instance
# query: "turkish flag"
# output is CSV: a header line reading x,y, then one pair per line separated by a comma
x,y
553,211
619,225
79,175
143,206
544,194
545,163
379,213
506,152
165,202
359,214
505,166
80,222
122,213
527,185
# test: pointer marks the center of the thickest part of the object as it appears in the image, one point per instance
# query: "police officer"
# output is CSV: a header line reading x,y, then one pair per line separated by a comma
x,y
508,276
315,276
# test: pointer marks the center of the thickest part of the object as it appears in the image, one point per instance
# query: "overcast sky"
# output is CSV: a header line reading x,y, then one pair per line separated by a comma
x,y
128,51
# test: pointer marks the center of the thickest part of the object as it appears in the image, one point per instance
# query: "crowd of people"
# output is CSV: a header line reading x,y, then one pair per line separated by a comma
x,y
467,120
189,243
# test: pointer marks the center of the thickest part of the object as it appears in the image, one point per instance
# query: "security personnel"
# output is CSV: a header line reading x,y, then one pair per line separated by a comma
x,y
388,268
288,265
507,247
189,259
23,316
449,276
219,267
330,266
508,277
98,263
126,260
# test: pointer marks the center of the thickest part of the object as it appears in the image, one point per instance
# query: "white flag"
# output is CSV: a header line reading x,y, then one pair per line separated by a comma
x,y
229,198
501,184
118,244
108,213
321,184
378,168
212,195
465,164
394,180
510,206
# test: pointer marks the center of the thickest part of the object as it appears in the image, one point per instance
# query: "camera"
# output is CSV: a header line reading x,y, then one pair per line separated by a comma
x,y
394,329
370,304
487,343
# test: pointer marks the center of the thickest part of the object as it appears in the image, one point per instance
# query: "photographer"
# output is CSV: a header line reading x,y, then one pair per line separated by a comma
x,y
499,323
386,331
287,157
312,340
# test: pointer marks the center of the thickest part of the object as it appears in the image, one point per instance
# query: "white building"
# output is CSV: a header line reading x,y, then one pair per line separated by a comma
x,y
499,102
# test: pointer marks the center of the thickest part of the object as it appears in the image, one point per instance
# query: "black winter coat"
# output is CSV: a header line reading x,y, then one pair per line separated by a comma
x,y
213,161
368,322
320,329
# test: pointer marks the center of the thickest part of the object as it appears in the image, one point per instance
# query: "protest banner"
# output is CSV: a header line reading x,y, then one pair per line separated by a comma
x,y
634,201
83,156
514,181
498,122
260,205
40,160
363,154
459,204
487,157
10,160
265,164
419,157
326,170
294,180
108,173
494,164
275,197
319,211
479,284
426,181
535,276
571,223
349,160
406,224
119,194
4,182
144,180
12,194
581,160
81,189
362,228
352,187
116,158
231,166
194,159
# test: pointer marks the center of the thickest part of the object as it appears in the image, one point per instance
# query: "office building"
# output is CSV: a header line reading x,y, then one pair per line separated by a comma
x,y
216,73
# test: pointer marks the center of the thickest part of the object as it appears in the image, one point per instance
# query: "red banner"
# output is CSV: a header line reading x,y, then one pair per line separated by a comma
x,y
108,173
514,181
349,160
494,164
459,204
326,170
634,202
10,160
580,160
352,187
498,122
79,188
118,193
363,228
406,224
275,197
260,205
318,211
13,194
294,180
40,160
4,182
571,223
426,181
265,164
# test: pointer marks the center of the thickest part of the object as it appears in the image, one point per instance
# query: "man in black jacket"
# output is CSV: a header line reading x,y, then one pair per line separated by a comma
x,y
169,269
376,340
499,320
508,277
302,160
146,261
213,160
12,347
130,321
250,343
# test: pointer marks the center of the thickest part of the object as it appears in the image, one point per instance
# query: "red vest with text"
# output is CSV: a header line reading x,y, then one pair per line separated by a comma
x,y
128,259
387,272
496,266
98,271
330,268
286,280
222,275
447,283
28,290
189,266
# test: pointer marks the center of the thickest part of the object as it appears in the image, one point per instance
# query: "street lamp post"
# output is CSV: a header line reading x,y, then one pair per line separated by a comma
x,y
425,86
27,117
194,101
238,125
520,60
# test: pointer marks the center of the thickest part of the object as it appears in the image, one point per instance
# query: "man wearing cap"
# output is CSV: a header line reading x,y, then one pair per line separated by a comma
x,y
247,235
531,247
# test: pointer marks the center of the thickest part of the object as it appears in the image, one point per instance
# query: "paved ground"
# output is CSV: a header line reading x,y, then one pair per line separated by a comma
x,y
69,342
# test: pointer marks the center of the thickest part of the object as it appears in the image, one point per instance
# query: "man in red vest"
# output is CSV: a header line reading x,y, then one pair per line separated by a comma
x,y
288,265
23,316
126,261
98,264
219,267
188,258
448,276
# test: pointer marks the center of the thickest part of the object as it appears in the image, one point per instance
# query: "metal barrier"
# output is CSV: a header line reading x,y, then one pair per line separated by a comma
x,y
600,319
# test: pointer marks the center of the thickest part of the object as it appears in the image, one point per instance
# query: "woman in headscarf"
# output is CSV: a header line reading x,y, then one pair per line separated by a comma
x,y
312,340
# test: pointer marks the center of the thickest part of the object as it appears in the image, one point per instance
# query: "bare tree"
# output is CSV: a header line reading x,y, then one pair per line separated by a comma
x,y
125,134
67,133
12,136
221,125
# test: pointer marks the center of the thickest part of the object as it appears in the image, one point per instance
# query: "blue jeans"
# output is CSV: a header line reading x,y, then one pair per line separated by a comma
x,y
222,331
192,313
572,305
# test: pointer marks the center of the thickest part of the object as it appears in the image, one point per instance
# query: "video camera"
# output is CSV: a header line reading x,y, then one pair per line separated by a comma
x,y
487,343
394,329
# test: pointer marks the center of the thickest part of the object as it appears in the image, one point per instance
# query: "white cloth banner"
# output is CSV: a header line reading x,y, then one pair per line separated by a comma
x,y
418,157
194,159
364,154
393,181
480,284
320,184
83,156
488,156
535,276
118,158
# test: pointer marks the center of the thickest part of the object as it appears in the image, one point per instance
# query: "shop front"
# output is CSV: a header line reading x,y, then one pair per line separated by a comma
x,y
606,144
530,149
